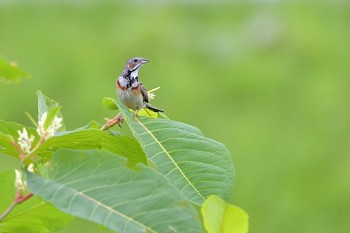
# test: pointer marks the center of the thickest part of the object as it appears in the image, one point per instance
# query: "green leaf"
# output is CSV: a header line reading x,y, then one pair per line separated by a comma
x,y
6,145
195,164
91,125
52,107
31,216
51,116
99,186
9,135
109,103
221,217
30,117
94,139
10,72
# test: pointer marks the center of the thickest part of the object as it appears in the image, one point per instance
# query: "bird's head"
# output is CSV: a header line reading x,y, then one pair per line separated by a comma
x,y
135,63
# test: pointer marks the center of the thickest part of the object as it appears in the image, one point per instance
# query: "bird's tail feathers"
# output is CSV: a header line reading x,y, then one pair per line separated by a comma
x,y
154,109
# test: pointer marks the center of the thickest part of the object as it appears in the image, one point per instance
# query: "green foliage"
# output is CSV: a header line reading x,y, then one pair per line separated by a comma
x,y
91,139
48,106
10,72
221,217
195,164
99,186
32,216
109,103
153,182
268,79
9,135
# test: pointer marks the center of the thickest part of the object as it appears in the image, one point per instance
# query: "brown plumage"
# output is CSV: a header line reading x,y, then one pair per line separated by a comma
x,y
131,92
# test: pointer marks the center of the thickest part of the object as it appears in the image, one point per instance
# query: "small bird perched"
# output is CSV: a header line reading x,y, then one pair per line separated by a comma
x,y
130,90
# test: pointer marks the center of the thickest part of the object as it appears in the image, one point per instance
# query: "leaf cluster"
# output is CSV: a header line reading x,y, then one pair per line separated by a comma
x,y
168,177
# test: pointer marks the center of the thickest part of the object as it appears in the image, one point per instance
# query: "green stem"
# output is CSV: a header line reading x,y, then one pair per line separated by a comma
x,y
36,146
32,152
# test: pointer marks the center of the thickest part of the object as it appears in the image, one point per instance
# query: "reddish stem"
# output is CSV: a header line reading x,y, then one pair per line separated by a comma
x,y
18,200
21,199
21,155
118,119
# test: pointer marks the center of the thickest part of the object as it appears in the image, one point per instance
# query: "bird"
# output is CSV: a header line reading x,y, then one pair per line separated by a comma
x,y
131,92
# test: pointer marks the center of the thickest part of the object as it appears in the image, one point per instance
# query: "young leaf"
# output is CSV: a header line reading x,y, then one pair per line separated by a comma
x,y
9,134
221,217
109,103
6,145
50,106
195,164
51,116
100,186
10,72
31,216
91,125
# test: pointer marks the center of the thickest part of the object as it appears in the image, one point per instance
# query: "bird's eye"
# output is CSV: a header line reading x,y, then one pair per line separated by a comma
x,y
135,60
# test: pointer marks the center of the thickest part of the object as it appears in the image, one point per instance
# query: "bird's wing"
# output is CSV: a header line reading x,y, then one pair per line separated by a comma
x,y
144,93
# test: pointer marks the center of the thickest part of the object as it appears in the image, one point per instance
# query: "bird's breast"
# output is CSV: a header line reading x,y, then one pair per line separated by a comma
x,y
120,85
127,82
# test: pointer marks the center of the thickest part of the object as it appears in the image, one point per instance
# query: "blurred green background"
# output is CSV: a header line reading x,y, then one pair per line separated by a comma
x,y
268,79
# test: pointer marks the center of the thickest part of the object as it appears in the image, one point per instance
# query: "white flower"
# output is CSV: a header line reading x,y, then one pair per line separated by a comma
x,y
42,119
30,168
19,183
50,131
57,123
41,122
151,95
24,141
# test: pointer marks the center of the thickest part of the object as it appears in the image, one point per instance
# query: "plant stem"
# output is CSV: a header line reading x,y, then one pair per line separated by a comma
x,y
32,152
36,147
8,210
118,119
23,199
21,155
18,200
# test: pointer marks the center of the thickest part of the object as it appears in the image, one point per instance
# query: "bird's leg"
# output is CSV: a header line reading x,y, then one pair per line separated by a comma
x,y
118,119
136,113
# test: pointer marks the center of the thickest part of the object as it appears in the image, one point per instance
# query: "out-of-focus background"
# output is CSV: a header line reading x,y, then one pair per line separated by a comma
x,y
269,79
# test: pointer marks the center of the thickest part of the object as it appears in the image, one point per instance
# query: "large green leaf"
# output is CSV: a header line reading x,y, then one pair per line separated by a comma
x,y
96,139
100,186
195,164
90,138
10,72
221,217
31,216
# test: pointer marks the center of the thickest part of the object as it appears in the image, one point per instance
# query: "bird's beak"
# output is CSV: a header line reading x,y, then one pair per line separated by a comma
x,y
144,61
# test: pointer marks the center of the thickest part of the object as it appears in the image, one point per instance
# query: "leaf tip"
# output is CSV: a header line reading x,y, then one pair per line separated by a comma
x,y
109,103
